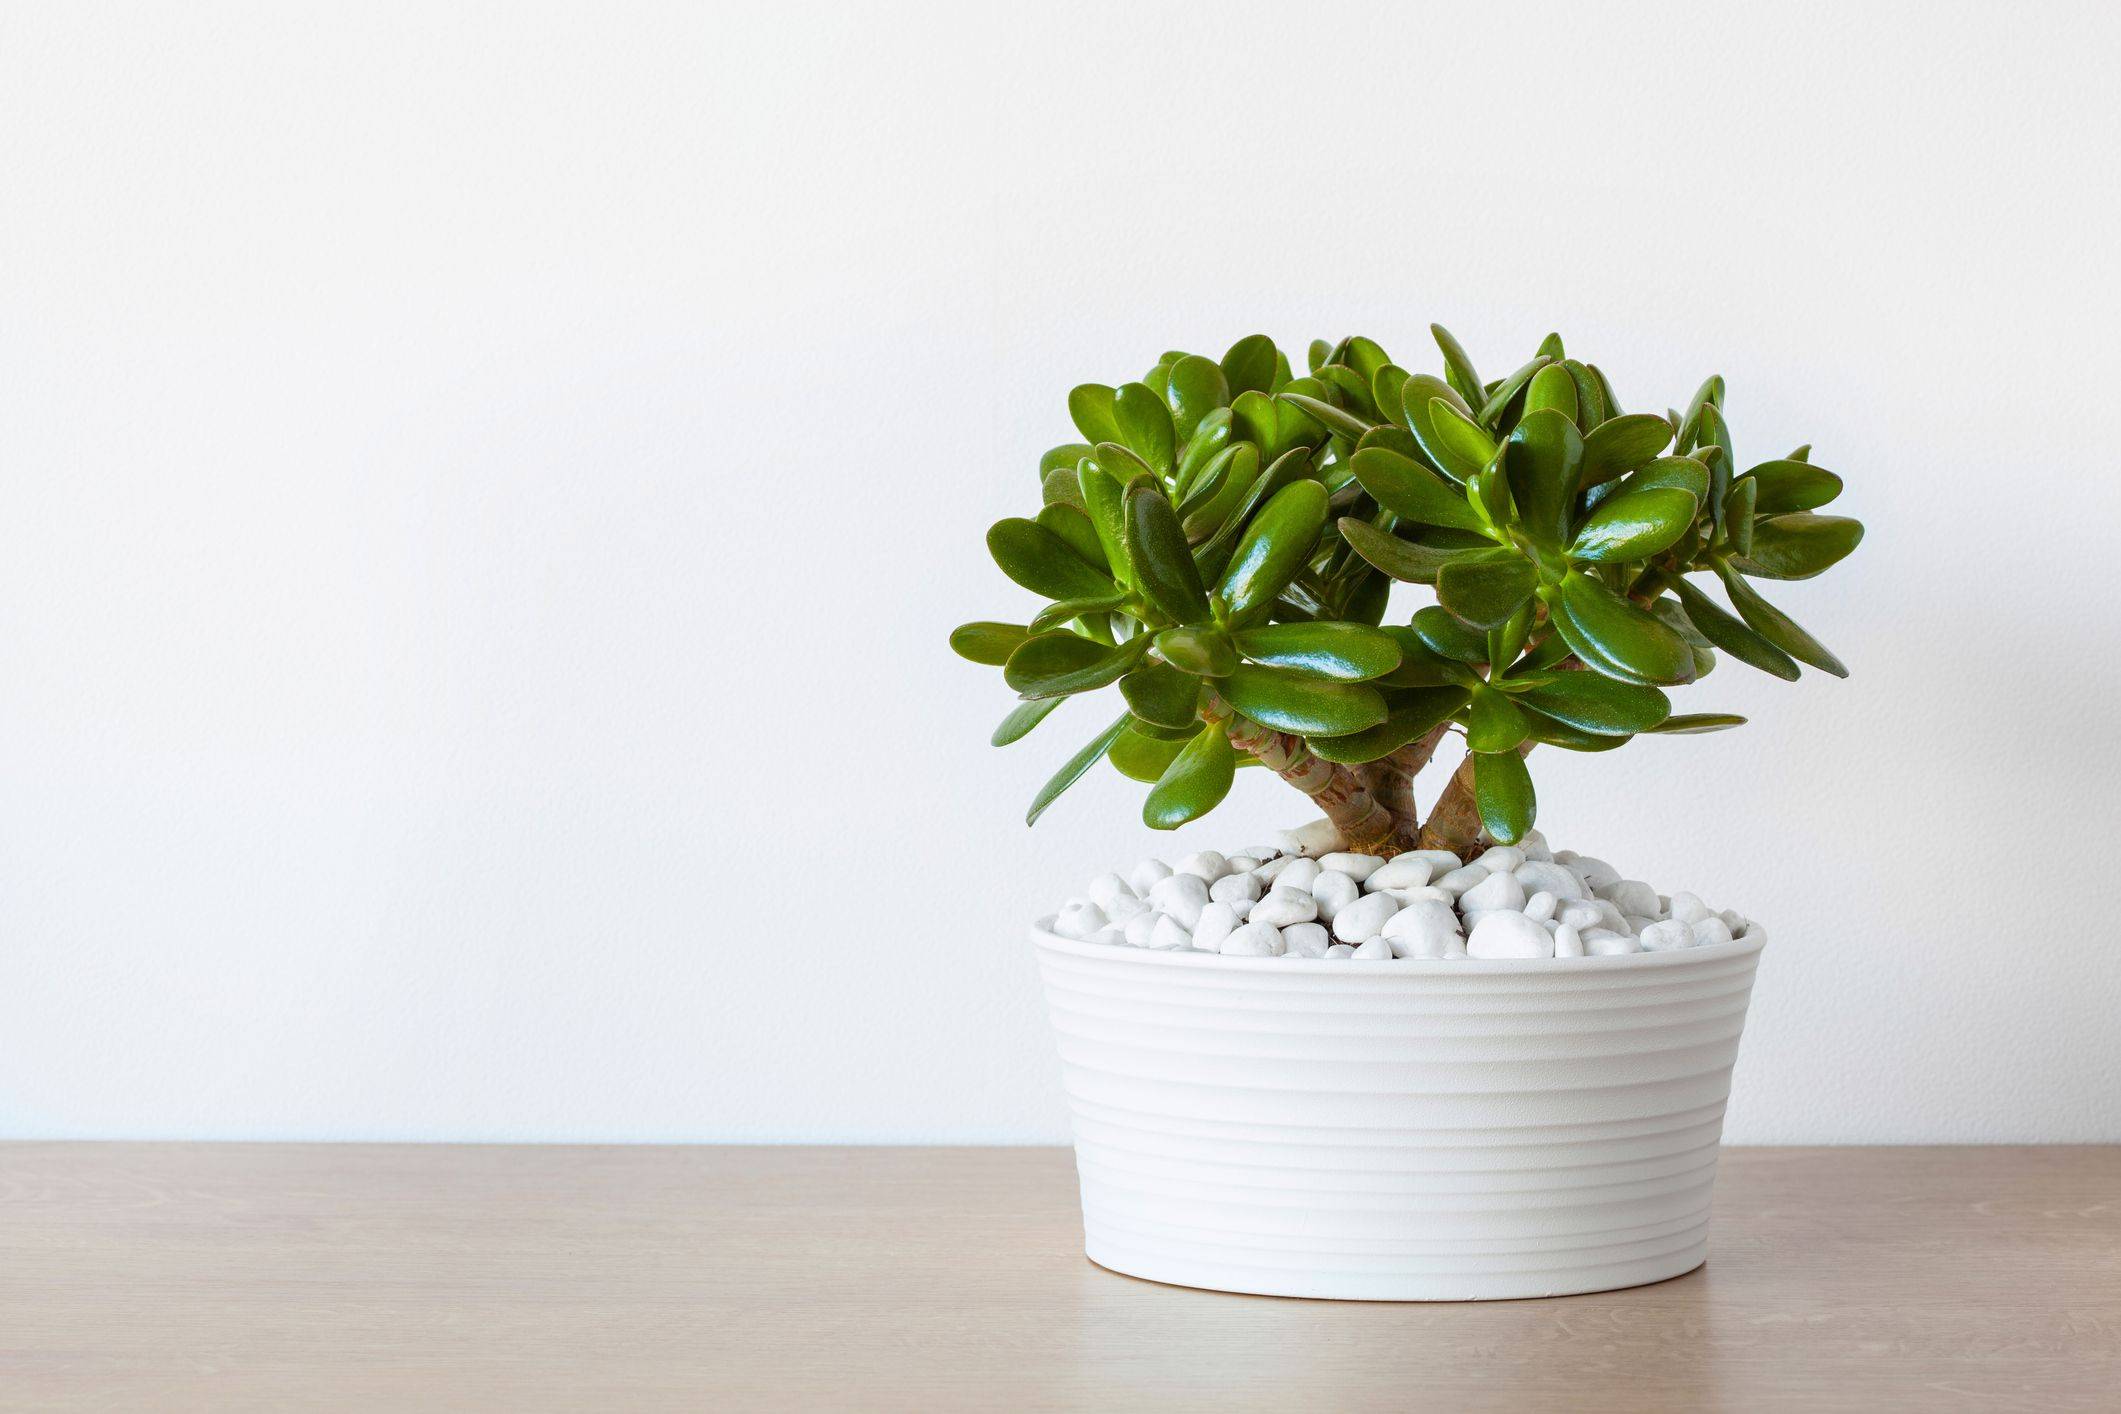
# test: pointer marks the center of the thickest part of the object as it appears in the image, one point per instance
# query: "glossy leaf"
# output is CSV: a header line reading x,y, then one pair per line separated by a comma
x,y
1205,652
1502,789
1590,396
1076,532
1401,559
1619,445
1710,392
1417,409
1411,491
1022,718
1775,626
1273,549
1462,445
1799,545
1608,632
1446,637
1042,562
1068,455
1159,693
1691,723
1680,473
1196,388
987,642
1543,459
1568,738
1634,525
1791,485
1289,702
1343,651
1494,722
1731,635
1056,614
1413,714
1716,434
1158,559
1387,389
1145,427
1249,365
1060,488
1738,506
1057,664
1485,589
1507,390
1210,437
1090,406
1595,703
1104,503
1195,782
1458,369
1144,755
1332,419
1551,389
1072,772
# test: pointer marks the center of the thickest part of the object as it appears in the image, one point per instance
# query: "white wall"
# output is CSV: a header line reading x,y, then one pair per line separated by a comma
x,y
485,492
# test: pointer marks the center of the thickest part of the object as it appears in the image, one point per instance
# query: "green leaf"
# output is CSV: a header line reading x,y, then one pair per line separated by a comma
x,y
1594,703
1288,702
1494,722
1210,437
1104,502
987,642
1799,545
1145,427
1250,364
1738,513
1060,488
1485,589
1411,491
1458,368
1499,400
1590,396
1462,445
1716,433
1621,444
1090,405
1418,401
1775,626
1693,723
1158,558
1732,636
1675,473
1791,485
1195,782
1208,487
1401,559
1204,652
1076,532
1543,460
1551,389
1446,637
1386,389
1333,419
1561,734
1634,525
1414,714
1057,664
1056,614
1710,393
1068,455
1502,788
1042,562
1343,651
1610,633
1197,388
1273,549
1159,693
1022,718
1072,772
1144,755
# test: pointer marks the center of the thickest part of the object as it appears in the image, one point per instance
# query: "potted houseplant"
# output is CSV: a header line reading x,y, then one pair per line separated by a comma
x,y
1398,1053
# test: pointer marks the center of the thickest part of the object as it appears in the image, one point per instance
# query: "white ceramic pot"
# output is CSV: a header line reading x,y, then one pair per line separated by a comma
x,y
1397,1131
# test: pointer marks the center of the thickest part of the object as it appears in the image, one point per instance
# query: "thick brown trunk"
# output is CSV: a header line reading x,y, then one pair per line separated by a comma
x,y
1391,782
1336,790
1455,822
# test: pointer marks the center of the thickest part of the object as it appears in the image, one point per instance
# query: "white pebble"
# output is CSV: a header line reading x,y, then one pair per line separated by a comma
x,y
1567,942
1124,907
1080,920
1305,940
1537,875
1281,907
1334,891
1241,863
1501,859
1235,888
1428,946
1253,940
1110,937
1107,888
1273,869
1169,936
1579,914
1593,872
1424,929
1318,837
1540,906
1288,842
1362,920
1611,917
1687,908
1145,875
1630,896
1495,891
1534,847
1377,949
1636,923
1217,921
1604,944
1460,879
1710,931
1734,920
1140,928
1503,934
1666,935
1405,872
1242,908
1263,852
1356,866
1182,896
1340,952
1298,875
1207,865
1440,861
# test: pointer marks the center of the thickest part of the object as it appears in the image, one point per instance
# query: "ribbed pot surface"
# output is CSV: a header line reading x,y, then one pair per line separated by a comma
x,y
1396,1131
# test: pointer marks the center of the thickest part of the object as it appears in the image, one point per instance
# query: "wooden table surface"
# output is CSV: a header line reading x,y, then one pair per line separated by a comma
x,y
400,1277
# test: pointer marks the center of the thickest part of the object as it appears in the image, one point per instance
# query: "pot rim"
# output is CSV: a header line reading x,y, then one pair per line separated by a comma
x,y
1751,941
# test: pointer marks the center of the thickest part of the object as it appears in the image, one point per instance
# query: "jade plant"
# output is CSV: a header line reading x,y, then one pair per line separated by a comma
x,y
1222,542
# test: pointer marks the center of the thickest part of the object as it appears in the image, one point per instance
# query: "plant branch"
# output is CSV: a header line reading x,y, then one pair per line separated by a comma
x,y
1363,823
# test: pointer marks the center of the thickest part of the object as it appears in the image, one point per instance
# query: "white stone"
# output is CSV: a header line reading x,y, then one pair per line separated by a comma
x,y
1273,869
1242,863
1288,842
1208,865
1362,920
1145,875
1426,939
1376,949
1592,871
1281,907
1457,881
1540,906
1604,944
1734,920
1423,894
1182,896
1611,917
1080,920
1495,891
1340,952
1235,888
1579,914
1567,942
1504,934
1217,921
1501,859
1263,852
1665,936
1636,923
1141,928
1305,940
1110,937
1105,889
1429,918
1318,837
1169,936
1537,876
1405,872
1298,874
1534,847
1242,908
1440,861
1710,931
1687,908
1253,940
1124,907
1334,891
1356,866
1630,896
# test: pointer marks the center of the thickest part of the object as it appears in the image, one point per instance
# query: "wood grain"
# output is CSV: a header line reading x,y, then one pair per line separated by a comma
x,y
233,1277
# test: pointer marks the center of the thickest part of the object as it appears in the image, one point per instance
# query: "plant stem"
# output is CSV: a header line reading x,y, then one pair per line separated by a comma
x,y
1363,823
1455,822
